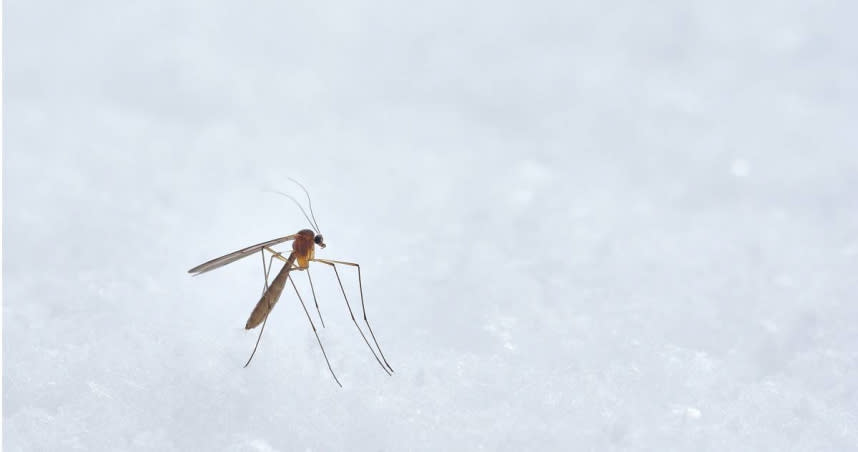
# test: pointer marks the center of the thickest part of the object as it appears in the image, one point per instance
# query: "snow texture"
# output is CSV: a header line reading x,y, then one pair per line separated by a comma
x,y
615,225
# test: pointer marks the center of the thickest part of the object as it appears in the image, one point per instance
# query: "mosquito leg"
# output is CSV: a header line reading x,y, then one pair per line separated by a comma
x,y
362,305
351,313
275,254
279,255
313,289
265,271
314,330
264,321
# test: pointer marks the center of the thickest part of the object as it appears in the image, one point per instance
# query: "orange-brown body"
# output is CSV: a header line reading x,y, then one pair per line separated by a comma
x,y
304,247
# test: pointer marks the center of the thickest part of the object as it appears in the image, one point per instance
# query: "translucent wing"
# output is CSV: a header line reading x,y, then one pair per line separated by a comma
x,y
236,255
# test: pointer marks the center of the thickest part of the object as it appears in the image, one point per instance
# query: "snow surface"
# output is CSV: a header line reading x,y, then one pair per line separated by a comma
x,y
594,226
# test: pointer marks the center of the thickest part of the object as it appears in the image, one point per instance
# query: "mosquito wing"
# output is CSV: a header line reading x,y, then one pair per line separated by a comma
x,y
236,255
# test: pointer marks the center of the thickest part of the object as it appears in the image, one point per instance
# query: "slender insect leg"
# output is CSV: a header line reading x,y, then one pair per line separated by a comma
x,y
275,254
351,313
265,271
313,289
261,329
314,331
362,305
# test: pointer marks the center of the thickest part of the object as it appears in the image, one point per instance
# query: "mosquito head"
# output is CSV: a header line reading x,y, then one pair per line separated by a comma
x,y
318,240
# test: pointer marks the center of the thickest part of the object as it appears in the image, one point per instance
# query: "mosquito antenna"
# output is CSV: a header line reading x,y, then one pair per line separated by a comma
x,y
309,203
299,206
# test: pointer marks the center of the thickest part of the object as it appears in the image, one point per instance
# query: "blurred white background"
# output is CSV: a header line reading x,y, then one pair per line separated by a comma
x,y
583,226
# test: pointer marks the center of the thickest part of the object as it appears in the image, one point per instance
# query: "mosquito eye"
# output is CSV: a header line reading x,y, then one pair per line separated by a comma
x,y
318,239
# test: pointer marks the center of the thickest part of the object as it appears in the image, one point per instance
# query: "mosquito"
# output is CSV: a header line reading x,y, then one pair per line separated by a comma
x,y
303,252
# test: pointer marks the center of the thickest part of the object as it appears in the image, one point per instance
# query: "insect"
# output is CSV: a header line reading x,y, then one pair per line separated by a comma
x,y
303,252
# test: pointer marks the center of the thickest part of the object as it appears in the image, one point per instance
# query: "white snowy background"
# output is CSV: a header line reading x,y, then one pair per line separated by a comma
x,y
614,225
